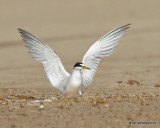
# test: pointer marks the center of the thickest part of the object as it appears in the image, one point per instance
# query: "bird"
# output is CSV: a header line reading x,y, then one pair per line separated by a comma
x,y
83,72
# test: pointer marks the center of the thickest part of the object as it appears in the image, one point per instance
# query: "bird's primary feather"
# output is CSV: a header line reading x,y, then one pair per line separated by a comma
x,y
50,60
102,48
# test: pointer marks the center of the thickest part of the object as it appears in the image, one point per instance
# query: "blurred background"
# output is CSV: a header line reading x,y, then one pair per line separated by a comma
x,y
64,25
58,19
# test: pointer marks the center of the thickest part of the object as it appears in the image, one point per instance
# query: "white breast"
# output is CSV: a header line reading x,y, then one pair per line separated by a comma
x,y
74,83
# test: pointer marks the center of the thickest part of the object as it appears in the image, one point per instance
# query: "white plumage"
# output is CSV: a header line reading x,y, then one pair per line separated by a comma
x,y
83,73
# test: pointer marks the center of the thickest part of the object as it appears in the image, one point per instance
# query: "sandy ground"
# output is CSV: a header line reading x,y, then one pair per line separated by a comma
x,y
126,88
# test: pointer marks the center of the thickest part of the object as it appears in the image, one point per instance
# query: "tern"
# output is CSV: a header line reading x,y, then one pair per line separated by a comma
x,y
83,72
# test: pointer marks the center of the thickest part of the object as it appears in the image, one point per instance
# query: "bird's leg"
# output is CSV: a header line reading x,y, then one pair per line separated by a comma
x,y
80,93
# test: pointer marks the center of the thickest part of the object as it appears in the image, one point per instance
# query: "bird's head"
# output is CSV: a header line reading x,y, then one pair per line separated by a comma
x,y
80,66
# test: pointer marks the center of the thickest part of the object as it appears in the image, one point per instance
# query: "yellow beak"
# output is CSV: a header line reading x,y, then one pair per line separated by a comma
x,y
85,67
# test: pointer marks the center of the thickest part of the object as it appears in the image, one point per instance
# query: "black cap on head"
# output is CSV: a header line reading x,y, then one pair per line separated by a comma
x,y
78,64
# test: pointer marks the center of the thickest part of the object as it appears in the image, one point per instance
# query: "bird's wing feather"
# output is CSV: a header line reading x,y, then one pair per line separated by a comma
x,y
50,60
102,48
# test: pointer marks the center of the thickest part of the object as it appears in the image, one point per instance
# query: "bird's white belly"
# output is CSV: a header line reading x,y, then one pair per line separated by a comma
x,y
73,86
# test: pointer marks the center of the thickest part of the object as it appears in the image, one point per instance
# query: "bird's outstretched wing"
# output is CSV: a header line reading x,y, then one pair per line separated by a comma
x,y
101,48
50,60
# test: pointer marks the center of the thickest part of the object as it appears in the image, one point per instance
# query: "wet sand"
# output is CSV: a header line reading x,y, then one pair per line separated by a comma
x,y
126,87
